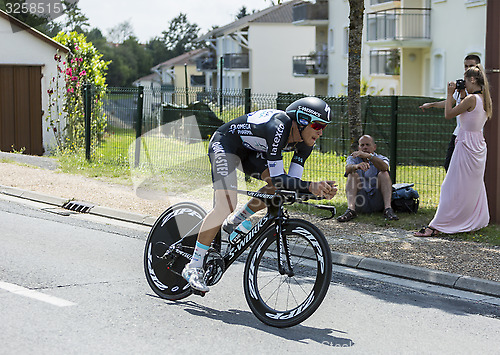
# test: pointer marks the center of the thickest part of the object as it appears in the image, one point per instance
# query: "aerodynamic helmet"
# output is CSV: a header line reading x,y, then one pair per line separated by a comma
x,y
309,110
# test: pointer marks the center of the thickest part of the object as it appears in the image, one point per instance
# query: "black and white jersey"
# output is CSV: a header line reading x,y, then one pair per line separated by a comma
x,y
267,131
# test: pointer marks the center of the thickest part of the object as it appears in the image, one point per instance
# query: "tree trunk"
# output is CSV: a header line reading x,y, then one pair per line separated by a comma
x,y
357,8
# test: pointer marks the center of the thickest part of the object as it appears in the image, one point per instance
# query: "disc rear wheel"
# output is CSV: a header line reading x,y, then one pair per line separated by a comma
x,y
177,228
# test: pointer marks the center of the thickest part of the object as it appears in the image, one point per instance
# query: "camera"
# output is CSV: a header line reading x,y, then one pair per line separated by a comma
x,y
460,84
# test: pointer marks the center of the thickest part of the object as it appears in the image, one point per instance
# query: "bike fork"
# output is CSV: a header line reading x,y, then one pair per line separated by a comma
x,y
284,264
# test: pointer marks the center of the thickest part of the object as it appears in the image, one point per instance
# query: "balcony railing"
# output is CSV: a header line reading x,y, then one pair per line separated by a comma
x,y
399,24
311,13
206,64
236,61
310,65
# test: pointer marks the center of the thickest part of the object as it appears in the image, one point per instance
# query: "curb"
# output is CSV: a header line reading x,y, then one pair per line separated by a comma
x,y
417,273
441,278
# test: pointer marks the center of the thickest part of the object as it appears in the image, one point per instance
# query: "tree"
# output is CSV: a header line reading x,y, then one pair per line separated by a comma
x,y
43,22
75,19
158,51
243,12
357,8
181,36
121,32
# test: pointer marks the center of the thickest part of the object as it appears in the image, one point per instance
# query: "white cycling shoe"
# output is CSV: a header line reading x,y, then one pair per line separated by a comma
x,y
195,277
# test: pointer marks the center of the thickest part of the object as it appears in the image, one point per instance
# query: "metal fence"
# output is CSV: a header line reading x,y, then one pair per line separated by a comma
x,y
169,131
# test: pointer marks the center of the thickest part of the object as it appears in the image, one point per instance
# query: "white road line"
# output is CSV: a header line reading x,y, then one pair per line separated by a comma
x,y
18,290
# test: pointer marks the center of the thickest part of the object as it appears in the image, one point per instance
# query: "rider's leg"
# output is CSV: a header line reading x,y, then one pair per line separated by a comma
x,y
224,203
254,204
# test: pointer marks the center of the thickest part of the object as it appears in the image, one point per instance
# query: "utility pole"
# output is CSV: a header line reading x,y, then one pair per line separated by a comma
x,y
492,127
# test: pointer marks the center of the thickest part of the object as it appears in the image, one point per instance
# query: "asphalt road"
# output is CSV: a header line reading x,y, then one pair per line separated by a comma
x,y
75,284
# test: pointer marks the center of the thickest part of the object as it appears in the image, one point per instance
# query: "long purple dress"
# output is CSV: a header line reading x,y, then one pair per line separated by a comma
x,y
463,205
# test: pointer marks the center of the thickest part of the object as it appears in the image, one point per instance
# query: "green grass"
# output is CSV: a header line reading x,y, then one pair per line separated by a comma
x,y
183,167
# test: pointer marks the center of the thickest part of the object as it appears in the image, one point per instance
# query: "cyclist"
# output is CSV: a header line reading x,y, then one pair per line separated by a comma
x,y
254,144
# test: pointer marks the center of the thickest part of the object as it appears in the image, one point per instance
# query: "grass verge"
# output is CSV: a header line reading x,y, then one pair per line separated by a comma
x,y
181,179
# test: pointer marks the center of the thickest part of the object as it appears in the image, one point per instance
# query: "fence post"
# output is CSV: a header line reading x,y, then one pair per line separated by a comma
x,y
221,82
138,126
87,103
394,137
248,100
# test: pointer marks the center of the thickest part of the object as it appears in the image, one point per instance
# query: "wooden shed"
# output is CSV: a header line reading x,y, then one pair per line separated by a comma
x,y
27,67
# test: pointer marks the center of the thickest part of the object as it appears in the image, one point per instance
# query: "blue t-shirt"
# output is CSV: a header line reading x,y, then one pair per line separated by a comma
x,y
368,177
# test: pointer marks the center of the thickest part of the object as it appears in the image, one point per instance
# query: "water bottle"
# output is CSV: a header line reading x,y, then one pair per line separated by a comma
x,y
243,228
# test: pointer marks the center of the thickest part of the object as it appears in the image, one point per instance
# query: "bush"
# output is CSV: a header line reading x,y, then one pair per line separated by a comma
x,y
83,65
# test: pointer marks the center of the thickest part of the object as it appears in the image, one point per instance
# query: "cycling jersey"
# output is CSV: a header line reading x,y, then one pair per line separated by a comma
x,y
257,141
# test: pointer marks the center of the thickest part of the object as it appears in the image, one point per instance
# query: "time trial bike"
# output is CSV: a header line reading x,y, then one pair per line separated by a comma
x,y
287,271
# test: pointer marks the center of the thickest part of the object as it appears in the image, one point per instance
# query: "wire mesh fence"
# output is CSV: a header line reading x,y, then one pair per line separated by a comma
x,y
168,131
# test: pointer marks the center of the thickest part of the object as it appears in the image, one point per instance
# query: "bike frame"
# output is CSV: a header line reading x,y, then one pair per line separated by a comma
x,y
274,214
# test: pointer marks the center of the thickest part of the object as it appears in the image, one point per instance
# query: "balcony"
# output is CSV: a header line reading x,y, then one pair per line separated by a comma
x,y
399,27
309,14
315,66
236,61
206,64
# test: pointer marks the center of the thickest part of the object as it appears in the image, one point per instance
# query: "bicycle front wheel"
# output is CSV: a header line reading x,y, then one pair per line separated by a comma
x,y
285,300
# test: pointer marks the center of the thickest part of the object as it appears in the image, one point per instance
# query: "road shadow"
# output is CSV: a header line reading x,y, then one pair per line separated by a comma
x,y
399,294
299,333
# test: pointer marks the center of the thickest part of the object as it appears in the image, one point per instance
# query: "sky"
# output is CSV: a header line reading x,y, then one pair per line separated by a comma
x,y
150,17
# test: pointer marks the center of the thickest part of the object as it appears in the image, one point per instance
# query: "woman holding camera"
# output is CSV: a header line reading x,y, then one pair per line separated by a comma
x,y
463,205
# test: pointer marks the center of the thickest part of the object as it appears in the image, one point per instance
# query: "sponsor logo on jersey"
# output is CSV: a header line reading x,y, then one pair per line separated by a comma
x,y
245,133
240,127
220,159
277,138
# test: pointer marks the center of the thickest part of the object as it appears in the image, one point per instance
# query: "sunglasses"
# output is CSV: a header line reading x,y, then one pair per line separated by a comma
x,y
318,126
304,119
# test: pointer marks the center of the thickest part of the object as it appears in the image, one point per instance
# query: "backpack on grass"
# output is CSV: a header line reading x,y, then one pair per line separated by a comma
x,y
404,198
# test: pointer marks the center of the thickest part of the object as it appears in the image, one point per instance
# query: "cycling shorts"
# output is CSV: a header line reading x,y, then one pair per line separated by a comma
x,y
226,156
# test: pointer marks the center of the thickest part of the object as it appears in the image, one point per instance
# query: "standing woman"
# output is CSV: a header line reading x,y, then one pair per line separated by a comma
x,y
463,205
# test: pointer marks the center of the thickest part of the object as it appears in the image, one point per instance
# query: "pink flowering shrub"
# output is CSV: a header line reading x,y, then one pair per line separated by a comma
x,y
83,65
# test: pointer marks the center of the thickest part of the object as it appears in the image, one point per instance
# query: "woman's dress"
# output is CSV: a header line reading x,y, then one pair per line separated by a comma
x,y
463,205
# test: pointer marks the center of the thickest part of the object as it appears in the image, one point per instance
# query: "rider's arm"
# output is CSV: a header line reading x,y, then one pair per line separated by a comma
x,y
286,182
277,136
302,152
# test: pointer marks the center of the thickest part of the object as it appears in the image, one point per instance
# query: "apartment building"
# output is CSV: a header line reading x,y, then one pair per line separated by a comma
x,y
256,52
409,47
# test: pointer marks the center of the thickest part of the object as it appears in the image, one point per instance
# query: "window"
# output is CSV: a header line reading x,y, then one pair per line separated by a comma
x,y
438,81
375,2
381,25
346,41
472,3
385,62
331,40
197,80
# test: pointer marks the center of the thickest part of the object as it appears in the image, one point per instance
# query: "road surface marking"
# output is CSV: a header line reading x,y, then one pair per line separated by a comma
x,y
18,290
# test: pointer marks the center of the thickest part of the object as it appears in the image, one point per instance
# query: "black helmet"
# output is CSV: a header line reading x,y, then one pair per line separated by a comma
x,y
308,110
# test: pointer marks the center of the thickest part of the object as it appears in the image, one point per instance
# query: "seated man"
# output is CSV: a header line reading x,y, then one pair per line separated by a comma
x,y
368,186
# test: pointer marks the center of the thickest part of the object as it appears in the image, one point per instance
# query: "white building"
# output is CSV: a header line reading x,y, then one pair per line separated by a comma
x,y
256,52
27,68
409,47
